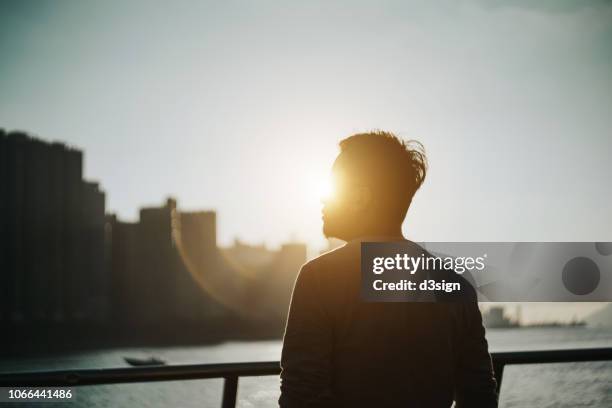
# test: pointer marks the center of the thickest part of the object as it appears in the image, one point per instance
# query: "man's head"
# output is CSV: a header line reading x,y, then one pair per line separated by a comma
x,y
375,177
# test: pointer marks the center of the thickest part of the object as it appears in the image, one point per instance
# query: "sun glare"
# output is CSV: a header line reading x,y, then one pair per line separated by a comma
x,y
326,189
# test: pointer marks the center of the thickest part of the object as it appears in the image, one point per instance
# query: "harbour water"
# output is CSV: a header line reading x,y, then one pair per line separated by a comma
x,y
547,385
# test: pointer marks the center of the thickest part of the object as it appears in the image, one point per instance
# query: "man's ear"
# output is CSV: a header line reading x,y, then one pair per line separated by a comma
x,y
362,198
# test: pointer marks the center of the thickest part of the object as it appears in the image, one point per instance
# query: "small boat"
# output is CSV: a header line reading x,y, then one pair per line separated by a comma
x,y
150,361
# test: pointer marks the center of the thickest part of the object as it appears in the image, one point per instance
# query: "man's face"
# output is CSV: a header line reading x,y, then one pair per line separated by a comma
x,y
342,208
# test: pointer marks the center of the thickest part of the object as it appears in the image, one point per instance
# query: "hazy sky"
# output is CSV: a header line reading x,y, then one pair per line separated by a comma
x,y
238,107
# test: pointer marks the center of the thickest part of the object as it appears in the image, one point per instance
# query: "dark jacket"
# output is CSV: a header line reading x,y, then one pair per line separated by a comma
x,y
340,351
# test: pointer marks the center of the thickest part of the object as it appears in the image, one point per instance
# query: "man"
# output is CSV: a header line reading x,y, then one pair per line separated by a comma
x,y
340,351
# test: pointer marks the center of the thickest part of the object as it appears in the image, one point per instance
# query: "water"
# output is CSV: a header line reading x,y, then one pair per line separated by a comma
x,y
547,385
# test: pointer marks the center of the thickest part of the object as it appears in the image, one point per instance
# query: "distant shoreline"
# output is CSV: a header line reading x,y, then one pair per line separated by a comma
x,y
27,341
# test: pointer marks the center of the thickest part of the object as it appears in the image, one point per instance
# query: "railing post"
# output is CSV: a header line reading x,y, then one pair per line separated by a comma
x,y
230,391
498,371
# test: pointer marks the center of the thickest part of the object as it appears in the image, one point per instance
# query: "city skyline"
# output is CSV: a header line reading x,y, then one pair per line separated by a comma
x,y
68,268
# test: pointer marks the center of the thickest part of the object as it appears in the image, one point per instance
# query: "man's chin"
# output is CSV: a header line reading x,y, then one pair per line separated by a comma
x,y
330,232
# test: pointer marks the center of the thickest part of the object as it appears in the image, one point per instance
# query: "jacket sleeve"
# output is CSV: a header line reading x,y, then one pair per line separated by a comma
x,y
475,382
307,345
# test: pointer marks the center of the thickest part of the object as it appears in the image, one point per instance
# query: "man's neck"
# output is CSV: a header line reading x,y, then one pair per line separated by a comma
x,y
380,234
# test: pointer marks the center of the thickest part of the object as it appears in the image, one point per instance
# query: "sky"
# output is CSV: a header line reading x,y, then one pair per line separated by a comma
x,y
239,106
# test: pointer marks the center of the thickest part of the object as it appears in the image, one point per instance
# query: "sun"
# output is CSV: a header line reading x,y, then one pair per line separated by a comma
x,y
325,189
320,186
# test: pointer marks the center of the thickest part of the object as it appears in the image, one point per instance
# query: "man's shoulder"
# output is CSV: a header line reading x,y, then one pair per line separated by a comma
x,y
342,256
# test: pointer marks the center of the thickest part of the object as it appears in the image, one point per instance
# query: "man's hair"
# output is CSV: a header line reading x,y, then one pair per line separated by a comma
x,y
393,168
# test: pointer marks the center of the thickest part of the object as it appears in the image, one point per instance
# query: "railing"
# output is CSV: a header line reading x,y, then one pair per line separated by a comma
x,y
232,371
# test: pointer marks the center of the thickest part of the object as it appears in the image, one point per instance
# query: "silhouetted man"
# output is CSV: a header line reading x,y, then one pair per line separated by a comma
x,y
340,351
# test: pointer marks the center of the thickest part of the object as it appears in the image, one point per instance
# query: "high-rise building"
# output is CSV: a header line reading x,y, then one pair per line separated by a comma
x,y
52,233
124,287
196,239
159,264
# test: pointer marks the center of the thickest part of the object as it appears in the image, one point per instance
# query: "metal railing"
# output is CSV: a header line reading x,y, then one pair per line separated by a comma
x,y
230,372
